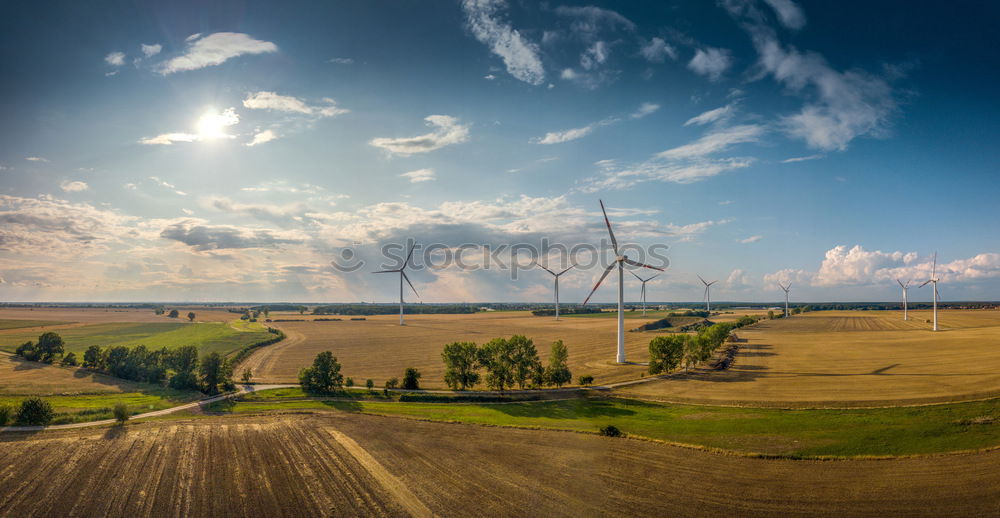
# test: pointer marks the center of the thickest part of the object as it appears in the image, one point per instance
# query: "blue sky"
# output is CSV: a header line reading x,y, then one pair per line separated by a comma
x,y
184,152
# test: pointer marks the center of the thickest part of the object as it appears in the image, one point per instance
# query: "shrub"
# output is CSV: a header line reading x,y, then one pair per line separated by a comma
x,y
69,359
391,383
6,412
586,379
369,384
27,351
611,431
173,313
121,412
349,382
411,379
35,411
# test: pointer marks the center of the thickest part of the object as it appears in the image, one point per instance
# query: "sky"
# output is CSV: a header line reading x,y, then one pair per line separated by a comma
x,y
270,151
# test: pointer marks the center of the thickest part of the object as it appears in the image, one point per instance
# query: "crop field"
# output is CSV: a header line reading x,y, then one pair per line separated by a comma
x,y
851,358
354,465
378,348
79,316
207,336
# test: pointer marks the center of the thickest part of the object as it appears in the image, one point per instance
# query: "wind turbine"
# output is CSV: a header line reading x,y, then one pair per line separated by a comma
x,y
905,286
402,275
642,293
935,280
620,261
556,275
708,294
786,288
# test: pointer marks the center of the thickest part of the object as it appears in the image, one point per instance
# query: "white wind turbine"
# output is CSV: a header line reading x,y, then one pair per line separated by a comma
x,y
708,294
786,288
620,261
402,275
906,287
934,280
642,292
556,275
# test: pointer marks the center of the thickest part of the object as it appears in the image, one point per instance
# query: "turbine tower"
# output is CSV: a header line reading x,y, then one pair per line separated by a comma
x,y
708,294
642,292
786,288
905,286
934,280
556,275
620,262
402,276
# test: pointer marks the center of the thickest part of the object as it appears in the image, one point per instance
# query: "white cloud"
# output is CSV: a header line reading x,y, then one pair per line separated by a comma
x,y
211,126
558,137
716,141
215,49
789,13
738,279
568,74
74,186
710,62
447,131
519,55
594,56
151,50
167,185
167,139
286,103
644,110
751,239
719,114
341,61
262,137
420,175
36,159
489,77
115,59
657,50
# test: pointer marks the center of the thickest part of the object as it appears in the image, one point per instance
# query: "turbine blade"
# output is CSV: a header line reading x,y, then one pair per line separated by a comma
x,y
567,269
900,284
637,277
934,268
410,283
633,263
924,284
387,271
409,255
546,269
653,277
702,280
614,242
599,281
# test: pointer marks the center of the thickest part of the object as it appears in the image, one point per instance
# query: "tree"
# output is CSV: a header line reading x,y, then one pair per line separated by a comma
x,y
558,373
665,353
35,411
191,316
69,360
121,413
369,384
216,373
461,361
173,313
49,346
324,376
527,367
302,310
93,357
770,314
115,360
267,312
349,382
411,379
586,379
391,383
247,376
6,413
27,351
496,356
184,362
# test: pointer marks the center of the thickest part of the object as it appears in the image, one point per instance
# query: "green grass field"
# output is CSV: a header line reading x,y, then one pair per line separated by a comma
x,y
787,433
94,407
18,324
207,336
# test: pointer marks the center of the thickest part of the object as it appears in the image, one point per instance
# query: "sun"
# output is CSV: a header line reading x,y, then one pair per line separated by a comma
x,y
212,124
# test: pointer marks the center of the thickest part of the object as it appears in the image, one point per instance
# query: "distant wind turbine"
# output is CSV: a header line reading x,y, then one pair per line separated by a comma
x,y
934,280
556,275
620,261
642,292
786,288
708,293
402,275
906,287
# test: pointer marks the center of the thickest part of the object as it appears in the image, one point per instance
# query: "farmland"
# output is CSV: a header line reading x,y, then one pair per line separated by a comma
x,y
338,464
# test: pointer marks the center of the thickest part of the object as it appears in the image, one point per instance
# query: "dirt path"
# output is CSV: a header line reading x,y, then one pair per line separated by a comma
x,y
393,485
264,360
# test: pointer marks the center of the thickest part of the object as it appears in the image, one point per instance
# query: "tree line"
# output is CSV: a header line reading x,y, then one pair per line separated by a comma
x,y
669,352
507,362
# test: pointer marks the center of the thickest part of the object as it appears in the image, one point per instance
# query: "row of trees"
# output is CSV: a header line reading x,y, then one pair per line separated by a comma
x,y
668,352
49,347
324,377
507,362
180,367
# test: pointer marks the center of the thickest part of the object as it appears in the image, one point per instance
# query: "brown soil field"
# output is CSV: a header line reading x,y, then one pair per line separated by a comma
x,y
851,358
334,464
379,348
19,378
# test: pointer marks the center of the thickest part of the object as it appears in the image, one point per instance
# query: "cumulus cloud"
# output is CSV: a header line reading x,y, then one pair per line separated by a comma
x,y
789,14
213,50
151,50
262,137
446,131
286,103
483,18
115,59
719,114
74,186
710,62
166,139
657,50
218,237
45,225
420,175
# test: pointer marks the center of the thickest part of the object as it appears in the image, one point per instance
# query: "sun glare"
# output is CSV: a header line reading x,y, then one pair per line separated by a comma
x,y
212,125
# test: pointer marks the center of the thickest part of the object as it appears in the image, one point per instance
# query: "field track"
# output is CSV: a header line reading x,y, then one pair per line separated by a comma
x,y
297,464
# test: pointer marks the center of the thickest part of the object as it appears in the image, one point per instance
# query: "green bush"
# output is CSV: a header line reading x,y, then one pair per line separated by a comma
x,y
611,431
586,379
6,412
35,411
411,379
349,382
121,412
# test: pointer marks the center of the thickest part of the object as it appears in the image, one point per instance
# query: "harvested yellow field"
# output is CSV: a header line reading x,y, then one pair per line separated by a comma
x,y
851,358
379,348
22,378
336,464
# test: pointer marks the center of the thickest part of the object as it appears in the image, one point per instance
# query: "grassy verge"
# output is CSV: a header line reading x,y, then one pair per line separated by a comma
x,y
790,433
94,407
